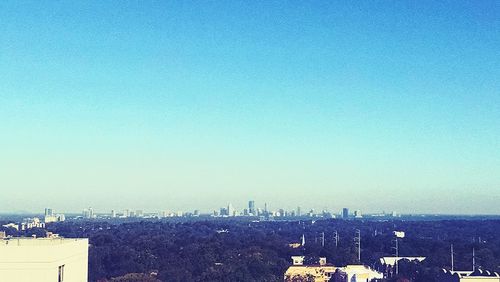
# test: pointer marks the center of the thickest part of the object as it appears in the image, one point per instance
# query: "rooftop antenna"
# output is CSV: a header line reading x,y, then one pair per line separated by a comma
x,y
357,241
452,261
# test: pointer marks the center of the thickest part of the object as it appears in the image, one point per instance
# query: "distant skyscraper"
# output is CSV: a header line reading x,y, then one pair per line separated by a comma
x,y
113,213
88,213
51,217
49,212
299,212
345,213
230,210
223,212
139,213
251,207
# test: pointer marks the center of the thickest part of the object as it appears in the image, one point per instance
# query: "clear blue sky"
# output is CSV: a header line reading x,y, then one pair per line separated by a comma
x,y
372,105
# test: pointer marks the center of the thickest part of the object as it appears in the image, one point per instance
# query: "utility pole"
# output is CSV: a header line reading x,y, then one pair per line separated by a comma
x,y
473,259
396,248
357,241
336,238
452,261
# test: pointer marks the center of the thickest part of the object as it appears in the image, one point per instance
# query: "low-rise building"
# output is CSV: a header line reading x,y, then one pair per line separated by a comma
x,y
321,272
469,276
392,260
29,223
324,272
359,273
54,218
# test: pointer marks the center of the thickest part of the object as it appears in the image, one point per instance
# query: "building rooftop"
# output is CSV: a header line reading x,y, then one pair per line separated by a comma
x,y
35,250
392,260
28,241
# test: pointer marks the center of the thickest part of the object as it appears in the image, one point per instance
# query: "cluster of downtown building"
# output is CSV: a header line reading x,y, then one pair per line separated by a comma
x,y
252,211
37,222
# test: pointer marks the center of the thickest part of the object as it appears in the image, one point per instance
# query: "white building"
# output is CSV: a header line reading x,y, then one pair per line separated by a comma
x,y
29,223
44,260
358,214
325,272
230,210
54,218
392,260
88,213
469,276
361,273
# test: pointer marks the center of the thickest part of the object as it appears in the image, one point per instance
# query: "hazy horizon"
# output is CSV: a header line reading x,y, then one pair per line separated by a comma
x,y
181,105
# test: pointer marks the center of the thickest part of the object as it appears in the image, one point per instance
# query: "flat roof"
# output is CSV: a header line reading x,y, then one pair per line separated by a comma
x,y
28,241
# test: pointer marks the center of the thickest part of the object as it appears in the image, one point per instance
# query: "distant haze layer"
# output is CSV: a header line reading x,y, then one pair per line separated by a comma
x,y
173,105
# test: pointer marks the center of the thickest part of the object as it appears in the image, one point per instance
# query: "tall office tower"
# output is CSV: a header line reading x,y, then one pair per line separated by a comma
x,y
139,213
299,212
113,213
91,213
126,213
251,208
50,216
345,213
85,213
223,211
49,212
259,212
44,260
230,210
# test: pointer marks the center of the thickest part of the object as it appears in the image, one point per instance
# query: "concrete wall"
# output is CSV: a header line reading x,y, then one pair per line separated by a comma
x,y
29,260
480,279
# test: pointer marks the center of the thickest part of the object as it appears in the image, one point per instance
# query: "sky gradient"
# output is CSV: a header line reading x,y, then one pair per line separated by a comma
x,y
177,105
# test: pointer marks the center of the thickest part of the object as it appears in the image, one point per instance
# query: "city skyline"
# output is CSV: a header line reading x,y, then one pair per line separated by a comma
x,y
373,106
230,209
